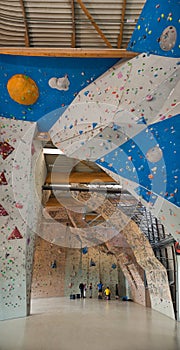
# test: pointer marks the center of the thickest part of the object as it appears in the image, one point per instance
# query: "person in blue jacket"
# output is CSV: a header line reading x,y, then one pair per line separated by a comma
x,y
100,286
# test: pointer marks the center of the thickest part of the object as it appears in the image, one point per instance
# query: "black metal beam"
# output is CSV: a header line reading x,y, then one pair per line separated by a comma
x,y
84,189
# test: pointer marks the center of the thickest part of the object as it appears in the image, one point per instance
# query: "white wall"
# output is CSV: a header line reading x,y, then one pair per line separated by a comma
x,y
19,199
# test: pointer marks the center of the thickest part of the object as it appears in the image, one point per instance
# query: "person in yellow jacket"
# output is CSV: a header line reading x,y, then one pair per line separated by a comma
x,y
107,293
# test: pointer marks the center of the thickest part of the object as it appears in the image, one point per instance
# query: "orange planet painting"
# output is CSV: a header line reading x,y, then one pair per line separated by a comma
x,y
22,89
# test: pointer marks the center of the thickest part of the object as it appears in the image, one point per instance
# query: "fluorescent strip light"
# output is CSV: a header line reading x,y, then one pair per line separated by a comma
x,y
52,151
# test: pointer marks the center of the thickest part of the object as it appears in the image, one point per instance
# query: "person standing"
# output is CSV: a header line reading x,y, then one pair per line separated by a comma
x,y
117,292
84,291
100,286
107,293
90,290
81,287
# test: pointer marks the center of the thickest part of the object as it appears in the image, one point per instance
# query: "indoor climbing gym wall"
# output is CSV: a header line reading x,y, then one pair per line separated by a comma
x,y
127,122
90,265
137,258
48,269
41,88
32,89
157,30
58,271
37,178
15,151
19,208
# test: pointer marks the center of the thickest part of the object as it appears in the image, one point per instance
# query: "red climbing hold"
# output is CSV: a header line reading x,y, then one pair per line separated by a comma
x,y
177,248
5,149
3,212
15,234
3,180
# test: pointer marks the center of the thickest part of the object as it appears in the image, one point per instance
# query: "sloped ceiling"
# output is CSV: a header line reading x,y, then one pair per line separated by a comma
x,y
73,23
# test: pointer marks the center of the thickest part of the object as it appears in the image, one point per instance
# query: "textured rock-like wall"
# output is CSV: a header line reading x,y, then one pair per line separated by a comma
x,y
156,275
72,267
79,269
19,215
131,270
134,275
48,270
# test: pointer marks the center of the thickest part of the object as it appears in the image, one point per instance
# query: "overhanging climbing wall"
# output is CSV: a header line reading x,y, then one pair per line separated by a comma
x,y
127,122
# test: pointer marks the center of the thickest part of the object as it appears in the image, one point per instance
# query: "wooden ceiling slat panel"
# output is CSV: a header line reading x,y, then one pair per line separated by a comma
x,y
55,17
93,22
77,177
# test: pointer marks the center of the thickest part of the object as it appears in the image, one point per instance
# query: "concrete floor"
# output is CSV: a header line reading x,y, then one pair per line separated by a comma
x,y
89,324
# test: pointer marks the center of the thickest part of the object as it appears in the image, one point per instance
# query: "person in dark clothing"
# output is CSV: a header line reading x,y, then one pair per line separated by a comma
x,y
81,287
117,292
90,290
100,285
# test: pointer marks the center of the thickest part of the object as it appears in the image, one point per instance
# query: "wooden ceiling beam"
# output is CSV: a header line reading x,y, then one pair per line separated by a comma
x,y
67,52
87,13
26,35
54,205
78,177
73,37
120,37
71,218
